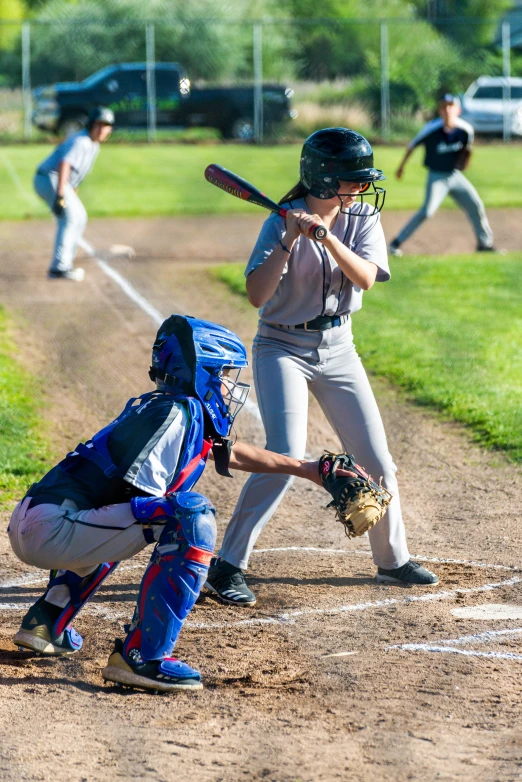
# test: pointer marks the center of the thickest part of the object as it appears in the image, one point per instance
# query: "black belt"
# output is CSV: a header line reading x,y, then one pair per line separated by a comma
x,y
322,323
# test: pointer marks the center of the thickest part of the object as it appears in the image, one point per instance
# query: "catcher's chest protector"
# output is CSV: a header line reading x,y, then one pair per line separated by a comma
x,y
192,458
195,450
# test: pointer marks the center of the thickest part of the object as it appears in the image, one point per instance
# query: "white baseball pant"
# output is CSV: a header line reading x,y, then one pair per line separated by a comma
x,y
71,224
287,364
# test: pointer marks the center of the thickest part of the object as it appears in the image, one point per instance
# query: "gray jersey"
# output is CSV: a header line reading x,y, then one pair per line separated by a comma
x,y
312,283
79,150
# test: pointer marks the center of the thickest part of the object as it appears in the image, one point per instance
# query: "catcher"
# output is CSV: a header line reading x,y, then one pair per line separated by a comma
x,y
131,486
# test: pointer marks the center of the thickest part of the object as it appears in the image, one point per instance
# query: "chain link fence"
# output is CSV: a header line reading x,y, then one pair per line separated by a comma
x,y
258,81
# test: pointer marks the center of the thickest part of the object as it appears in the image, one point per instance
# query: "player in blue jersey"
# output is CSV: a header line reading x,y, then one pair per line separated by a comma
x,y
131,485
448,141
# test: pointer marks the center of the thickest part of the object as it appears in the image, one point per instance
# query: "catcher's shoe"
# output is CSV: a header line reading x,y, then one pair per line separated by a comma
x,y
228,583
410,574
164,675
36,632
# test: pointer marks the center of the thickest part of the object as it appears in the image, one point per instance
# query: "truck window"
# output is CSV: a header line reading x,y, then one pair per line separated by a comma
x,y
124,83
167,82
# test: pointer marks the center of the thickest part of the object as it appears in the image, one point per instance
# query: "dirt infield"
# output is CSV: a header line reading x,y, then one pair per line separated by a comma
x,y
330,676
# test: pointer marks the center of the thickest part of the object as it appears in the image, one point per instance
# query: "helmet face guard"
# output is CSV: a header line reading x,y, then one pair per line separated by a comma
x,y
198,358
373,195
335,155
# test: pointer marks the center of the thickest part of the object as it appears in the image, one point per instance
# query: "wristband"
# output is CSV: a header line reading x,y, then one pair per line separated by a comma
x,y
285,248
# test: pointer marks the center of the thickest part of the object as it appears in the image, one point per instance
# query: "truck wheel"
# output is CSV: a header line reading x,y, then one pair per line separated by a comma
x,y
72,124
241,129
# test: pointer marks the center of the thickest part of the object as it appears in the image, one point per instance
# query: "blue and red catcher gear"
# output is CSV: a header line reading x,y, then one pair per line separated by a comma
x,y
176,572
198,358
46,628
192,460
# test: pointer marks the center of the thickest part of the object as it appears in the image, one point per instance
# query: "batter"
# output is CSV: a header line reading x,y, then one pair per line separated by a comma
x,y
307,291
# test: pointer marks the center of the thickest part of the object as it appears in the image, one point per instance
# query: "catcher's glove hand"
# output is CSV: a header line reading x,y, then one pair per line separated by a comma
x,y
359,501
59,206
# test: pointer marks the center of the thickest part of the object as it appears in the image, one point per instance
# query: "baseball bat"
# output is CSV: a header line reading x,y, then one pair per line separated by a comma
x,y
237,186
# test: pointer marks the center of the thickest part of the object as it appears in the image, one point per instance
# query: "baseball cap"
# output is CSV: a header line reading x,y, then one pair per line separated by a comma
x,y
101,114
448,97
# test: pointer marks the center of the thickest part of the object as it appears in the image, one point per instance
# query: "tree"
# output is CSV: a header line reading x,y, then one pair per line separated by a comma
x,y
11,11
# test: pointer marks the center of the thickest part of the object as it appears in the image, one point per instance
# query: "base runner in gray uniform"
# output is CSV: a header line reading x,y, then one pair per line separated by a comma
x,y
56,182
448,141
307,291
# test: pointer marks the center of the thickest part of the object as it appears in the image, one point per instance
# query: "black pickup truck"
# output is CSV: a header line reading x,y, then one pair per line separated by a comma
x,y
63,108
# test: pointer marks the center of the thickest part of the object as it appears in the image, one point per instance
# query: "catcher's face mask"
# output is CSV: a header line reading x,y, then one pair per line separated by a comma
x,y
234,392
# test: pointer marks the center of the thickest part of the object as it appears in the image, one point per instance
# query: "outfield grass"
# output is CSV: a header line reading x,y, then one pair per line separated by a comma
x,y
24,451
167,179
448,330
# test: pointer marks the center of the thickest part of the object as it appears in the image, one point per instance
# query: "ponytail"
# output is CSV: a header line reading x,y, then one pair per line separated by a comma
x,y
297,191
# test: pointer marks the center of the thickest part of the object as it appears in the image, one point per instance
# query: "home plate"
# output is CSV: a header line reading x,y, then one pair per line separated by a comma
x,y
489,611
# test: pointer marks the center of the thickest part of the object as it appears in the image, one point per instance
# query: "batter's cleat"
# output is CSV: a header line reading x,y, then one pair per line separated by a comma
x,y
394,248
36,632
410,574
77,275
166,675
228,583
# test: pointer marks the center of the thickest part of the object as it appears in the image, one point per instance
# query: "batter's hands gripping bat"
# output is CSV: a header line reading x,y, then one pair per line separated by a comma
x,y
237,186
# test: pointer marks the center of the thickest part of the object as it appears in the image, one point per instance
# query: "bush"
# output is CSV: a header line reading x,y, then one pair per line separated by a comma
x,y
71,41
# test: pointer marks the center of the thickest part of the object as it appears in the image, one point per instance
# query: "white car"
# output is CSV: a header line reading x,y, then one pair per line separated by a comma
x,y
487,100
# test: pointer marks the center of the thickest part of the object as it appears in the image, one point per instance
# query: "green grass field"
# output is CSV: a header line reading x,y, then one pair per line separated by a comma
x,y
24,451
448,330
167,179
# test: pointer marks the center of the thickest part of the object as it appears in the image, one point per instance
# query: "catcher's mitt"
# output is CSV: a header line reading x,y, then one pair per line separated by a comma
x,y
359,502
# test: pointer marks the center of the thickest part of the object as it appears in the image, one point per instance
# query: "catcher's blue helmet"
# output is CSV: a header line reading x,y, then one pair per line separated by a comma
x,y
197,358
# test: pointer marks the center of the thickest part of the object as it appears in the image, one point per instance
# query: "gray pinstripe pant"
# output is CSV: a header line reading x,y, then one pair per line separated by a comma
x,y
455,184
287,364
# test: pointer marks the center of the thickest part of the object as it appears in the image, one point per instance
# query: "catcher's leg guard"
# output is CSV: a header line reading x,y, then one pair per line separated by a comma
x,y
46,628
170,586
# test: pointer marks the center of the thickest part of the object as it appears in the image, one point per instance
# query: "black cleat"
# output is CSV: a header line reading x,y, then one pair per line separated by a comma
x,y
228,583
410,574
77,275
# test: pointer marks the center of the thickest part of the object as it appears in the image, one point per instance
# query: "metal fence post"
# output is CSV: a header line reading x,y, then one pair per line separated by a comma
x,y
385,83
258,81
506,88
26,79
151,81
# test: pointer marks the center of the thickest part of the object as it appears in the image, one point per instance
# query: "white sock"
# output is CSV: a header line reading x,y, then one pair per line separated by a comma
x,y
58,595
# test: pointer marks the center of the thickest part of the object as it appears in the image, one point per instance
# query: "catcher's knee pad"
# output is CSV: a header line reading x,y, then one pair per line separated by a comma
x,y
176,573
81,589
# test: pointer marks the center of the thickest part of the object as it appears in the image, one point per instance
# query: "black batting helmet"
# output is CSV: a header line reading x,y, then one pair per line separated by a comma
x,y
101,114
335,155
